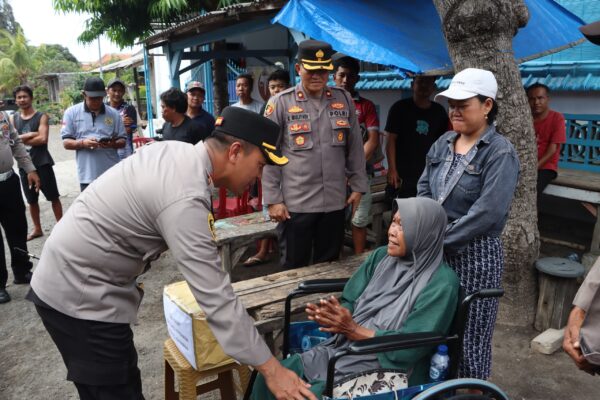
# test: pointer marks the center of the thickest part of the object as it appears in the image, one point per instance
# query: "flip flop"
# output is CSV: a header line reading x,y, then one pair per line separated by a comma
x,y
252,261
32,236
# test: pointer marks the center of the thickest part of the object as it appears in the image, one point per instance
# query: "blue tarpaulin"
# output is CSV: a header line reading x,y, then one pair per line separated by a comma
x,y
407,34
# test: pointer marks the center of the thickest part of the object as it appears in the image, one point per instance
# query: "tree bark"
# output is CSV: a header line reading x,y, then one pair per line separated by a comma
x,y
219,72
479,35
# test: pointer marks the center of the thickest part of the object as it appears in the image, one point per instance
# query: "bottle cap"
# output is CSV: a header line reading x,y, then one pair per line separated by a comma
x,y
442,349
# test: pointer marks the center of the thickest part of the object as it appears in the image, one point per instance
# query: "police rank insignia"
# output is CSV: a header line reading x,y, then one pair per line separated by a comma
x,y
342,122
299,140
295,127
108,121
211,225
337,106
340,137
219,121
295,109
300,95
269,109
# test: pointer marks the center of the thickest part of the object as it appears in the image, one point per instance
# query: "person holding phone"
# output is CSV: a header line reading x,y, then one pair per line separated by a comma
x,y
12,208
83,127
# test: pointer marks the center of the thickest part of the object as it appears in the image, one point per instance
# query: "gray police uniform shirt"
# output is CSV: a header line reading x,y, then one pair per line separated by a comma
x,y
11,146
322,140
79,123
158,198
588,288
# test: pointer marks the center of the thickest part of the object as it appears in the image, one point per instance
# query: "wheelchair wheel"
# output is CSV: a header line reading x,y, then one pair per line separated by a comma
x,y
447,390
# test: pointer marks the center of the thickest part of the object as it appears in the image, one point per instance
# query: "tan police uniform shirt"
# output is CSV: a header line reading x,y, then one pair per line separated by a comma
x,y
11,146
158,198
322,140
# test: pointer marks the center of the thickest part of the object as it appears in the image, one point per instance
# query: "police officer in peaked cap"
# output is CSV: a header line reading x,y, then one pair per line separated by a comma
x,y
84,287
320,136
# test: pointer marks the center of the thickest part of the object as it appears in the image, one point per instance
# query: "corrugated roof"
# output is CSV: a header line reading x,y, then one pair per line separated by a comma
x,y
558,76
589,11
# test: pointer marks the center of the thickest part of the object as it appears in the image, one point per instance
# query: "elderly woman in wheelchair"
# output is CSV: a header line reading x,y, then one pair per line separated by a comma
x,y
403,287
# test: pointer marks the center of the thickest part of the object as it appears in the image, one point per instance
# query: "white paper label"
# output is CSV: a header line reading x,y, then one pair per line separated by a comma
x,y
179,325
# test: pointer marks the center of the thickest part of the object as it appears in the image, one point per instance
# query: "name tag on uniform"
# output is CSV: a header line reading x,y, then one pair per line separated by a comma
x,y
339,114
298,117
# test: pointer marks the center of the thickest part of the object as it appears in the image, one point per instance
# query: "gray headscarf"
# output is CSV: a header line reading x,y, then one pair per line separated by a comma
x,y
394,287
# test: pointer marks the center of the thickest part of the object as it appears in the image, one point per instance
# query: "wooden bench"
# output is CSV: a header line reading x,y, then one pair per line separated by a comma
x,y
264,297
581,186
235,234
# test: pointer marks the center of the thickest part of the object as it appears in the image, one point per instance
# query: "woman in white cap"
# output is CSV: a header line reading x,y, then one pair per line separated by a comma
x,y
472,171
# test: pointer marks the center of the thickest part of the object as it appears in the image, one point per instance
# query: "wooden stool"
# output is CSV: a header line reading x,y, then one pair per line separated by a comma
x,y
558,285
177,366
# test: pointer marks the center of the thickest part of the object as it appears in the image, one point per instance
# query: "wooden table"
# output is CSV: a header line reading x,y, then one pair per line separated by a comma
x,y
264,296
235,234
582,186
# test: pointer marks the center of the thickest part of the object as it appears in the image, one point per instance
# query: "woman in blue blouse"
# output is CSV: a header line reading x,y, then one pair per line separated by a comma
x,y
473,171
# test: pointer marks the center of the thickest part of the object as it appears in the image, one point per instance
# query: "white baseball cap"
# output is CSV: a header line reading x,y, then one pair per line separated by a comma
x,y
471,82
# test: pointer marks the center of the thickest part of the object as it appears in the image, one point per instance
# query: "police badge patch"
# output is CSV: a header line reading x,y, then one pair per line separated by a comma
x,y
108,121
211,226
269,109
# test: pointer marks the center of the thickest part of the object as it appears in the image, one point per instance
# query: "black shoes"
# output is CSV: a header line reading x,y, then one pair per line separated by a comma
x,y
4,297
22,280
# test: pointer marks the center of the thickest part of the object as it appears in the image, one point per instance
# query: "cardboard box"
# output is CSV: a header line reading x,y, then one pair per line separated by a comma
x,y
189,329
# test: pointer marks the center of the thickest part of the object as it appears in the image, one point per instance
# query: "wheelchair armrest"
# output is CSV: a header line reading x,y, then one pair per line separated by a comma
x,y
381,344
322,285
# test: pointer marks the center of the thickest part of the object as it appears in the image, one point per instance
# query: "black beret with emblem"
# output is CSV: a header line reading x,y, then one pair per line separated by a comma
x,y
253,128
314,54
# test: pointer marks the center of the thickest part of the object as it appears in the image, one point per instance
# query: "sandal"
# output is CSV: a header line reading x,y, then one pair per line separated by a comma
x,y
33,235
252,261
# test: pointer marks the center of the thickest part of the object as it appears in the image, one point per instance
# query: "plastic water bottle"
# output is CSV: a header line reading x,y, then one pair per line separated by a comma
x,y
265,213
308,341
573,257
439,364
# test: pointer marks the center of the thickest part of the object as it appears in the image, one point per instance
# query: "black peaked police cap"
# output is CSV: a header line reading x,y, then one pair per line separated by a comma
x,y
314,55
253,128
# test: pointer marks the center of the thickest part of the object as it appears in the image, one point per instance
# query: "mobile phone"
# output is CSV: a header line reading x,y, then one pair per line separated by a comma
x,y
105,139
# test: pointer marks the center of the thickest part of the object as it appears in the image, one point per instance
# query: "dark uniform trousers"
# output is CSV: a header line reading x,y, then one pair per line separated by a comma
x,y
14,223
318,234
100,357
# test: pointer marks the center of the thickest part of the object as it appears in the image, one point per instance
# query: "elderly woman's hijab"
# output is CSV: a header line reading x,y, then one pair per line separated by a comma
x,y
394,287
397,282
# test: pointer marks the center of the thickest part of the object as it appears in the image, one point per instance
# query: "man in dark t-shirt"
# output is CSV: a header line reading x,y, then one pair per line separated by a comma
x,y
413,125
178,126
195,98
33,130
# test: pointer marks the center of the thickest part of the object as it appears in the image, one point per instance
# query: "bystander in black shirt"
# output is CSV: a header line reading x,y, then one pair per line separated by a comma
x,y
416,130
188,131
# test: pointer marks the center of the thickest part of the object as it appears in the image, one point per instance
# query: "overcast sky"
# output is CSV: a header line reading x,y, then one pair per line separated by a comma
x,y
41,24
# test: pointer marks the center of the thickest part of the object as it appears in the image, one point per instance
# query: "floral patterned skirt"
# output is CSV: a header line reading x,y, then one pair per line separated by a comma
x,y
479,266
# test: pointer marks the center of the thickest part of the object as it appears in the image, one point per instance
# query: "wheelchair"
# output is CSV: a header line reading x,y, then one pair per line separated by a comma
x,y
380,344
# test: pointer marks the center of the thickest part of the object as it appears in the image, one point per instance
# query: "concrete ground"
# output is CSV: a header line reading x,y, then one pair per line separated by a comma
x,y
31,367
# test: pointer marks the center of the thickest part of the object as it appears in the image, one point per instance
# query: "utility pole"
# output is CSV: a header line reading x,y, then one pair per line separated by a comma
x,y
100,59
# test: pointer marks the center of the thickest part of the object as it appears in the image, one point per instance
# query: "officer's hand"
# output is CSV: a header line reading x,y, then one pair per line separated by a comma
x,y
283,383
354,199
278,212
33,180
571,340
393,178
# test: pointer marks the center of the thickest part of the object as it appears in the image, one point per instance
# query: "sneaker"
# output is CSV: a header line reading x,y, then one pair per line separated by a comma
x,y
4,297
25,279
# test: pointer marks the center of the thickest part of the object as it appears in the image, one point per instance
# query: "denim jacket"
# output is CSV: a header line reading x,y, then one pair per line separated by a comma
x,y
479,193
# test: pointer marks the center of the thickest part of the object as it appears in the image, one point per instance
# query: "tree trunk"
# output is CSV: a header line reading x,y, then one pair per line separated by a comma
x,y
220,92
479,35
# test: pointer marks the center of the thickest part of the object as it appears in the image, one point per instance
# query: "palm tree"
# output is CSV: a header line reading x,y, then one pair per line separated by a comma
x,y
16,63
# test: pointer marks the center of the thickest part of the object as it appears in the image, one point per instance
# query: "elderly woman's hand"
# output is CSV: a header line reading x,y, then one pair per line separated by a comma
x,y
335,318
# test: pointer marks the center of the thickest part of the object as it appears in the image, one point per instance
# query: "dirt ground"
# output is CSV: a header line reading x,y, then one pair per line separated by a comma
x,y
31,367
